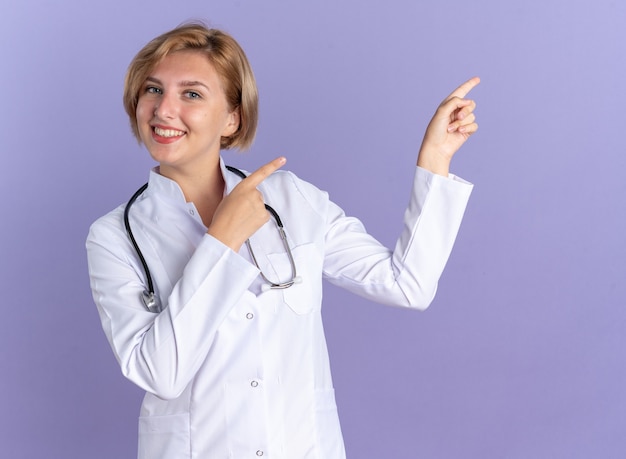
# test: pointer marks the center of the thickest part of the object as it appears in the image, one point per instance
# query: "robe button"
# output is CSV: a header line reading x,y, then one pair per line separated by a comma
x,y
249,315
254,383
259,453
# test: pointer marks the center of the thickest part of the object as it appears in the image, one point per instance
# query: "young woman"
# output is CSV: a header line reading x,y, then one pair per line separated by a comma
x,y
208,303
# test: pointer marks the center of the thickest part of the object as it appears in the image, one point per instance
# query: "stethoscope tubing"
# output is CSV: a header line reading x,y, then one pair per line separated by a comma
x,y
129,231
148,296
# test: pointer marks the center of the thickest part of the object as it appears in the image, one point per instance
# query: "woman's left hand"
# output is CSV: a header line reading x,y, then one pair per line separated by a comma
x,y
450,127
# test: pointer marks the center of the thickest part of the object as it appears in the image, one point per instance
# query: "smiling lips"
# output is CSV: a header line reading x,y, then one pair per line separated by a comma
x,y
166,135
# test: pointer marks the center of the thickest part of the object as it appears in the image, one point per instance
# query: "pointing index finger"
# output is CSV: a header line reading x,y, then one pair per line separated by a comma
x,y
465,88
264,171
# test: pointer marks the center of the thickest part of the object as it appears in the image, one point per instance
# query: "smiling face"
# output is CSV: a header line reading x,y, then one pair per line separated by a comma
x,y
182,114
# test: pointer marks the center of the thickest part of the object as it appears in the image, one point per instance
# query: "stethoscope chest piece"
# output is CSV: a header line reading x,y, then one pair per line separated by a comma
x,y
150,301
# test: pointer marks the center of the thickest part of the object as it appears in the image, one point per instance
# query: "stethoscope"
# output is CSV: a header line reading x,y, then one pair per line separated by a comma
x,y
148,296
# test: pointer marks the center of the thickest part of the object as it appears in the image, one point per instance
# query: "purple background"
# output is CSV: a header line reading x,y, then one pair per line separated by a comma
x,y
522,352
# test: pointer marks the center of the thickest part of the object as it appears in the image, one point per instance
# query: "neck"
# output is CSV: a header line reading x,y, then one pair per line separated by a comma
x,y
204,187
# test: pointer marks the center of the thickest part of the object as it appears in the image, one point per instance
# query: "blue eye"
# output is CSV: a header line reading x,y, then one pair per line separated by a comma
x,y
153,90
193,95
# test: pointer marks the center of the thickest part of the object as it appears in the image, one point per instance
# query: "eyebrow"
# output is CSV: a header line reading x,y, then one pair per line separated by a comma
x,y
183,84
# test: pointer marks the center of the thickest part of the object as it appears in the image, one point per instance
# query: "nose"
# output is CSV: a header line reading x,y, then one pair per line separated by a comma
x,y
165,107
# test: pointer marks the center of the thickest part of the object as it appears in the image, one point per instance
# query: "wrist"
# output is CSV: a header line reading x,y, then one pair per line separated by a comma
x,y
434,162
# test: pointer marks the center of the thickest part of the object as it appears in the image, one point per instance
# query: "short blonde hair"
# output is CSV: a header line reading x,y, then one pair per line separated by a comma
x,y
228,59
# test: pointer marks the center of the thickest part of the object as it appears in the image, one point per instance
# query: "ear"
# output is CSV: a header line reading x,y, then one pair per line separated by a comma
x,y
232,125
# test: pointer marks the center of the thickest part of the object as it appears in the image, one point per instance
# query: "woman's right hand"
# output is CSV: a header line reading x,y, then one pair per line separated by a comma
x,y
242,212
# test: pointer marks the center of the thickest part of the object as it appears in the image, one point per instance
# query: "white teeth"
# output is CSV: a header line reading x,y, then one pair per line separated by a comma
x,y
167,132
